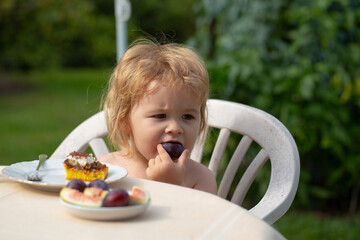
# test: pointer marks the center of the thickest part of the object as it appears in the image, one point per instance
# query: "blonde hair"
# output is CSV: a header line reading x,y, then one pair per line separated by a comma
x,y
170,64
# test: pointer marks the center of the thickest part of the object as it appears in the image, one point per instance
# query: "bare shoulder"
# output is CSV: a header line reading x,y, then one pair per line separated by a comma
x,y
112,158
200,177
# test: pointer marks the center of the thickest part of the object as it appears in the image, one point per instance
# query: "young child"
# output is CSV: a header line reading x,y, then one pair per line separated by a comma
x,y
157,94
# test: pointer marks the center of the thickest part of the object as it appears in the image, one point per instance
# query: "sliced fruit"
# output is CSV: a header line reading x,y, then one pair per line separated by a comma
x,y
138,196
96,197
76,197
95,192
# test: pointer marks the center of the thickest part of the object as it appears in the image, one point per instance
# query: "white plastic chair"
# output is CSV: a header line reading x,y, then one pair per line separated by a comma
x,y
276,144
255,125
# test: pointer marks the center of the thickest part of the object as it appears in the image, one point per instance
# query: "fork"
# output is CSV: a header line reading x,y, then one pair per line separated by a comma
x,y
35,175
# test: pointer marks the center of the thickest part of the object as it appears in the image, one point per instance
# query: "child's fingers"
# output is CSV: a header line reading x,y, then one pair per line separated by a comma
x,y
151,162
162,152
183,157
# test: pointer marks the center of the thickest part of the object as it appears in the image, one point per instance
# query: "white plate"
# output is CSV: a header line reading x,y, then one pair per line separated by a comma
x,y
53,174
105,213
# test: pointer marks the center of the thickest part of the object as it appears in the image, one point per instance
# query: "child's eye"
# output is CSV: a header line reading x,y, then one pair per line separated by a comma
x,y
159,115
188,116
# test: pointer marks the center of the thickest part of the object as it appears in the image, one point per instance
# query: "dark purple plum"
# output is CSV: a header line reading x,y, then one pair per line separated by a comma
x,y
98,183
116,198
76,184
173,149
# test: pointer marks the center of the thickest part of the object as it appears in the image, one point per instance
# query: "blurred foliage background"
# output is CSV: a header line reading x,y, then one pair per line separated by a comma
x,y
298,60
42,34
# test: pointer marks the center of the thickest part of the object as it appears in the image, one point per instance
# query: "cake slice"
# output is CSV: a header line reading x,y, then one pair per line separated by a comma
x,y
85,167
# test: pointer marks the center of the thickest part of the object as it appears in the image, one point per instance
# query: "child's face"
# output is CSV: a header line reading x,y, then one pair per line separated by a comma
x,y
166,115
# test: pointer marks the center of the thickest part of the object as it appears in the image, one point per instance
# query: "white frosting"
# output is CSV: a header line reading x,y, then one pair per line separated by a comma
x,y
82,161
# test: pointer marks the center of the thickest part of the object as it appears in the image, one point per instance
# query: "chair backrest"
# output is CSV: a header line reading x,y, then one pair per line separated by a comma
x,y
254,125
89,133
276,143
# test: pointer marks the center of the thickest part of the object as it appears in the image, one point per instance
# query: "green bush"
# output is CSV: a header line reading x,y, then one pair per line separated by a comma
x,y
298,60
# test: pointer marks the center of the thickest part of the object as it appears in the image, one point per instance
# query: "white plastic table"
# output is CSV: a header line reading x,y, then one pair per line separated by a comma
x,y
175,213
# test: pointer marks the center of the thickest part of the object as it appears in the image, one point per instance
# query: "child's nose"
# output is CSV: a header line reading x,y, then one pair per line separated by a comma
x,y
174,127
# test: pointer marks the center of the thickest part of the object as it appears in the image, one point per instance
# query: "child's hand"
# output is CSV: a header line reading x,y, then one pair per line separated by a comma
x,y
163,169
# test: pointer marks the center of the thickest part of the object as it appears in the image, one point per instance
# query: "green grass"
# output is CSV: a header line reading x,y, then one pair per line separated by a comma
x,y
299,225
36,118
